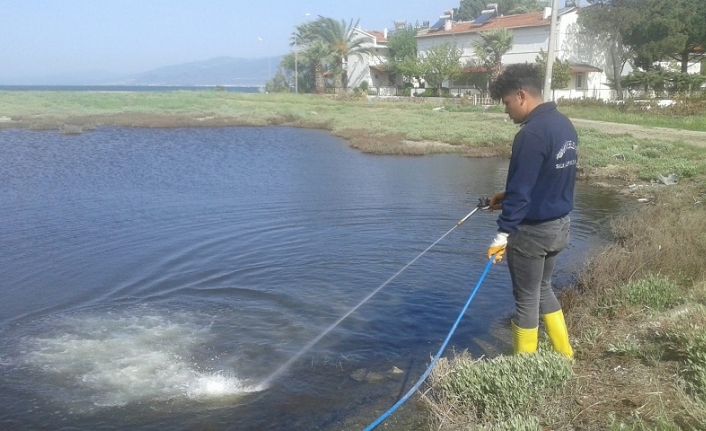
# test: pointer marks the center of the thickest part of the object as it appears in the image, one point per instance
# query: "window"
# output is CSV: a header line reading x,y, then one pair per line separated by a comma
x,y
580,80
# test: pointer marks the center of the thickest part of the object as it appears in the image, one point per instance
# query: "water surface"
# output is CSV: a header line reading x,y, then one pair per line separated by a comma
x,y
153,279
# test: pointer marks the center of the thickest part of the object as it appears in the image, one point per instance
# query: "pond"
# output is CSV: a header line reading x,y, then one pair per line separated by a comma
x,y
155,278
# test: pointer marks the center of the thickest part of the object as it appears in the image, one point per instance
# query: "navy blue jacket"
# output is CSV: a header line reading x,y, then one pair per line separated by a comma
x,y
542,173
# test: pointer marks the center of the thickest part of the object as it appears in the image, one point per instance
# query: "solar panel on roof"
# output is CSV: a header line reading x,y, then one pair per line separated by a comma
x,y
439,25
483,18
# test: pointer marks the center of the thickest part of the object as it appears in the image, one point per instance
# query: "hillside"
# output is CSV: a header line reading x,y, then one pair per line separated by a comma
x,y
217,71
230,71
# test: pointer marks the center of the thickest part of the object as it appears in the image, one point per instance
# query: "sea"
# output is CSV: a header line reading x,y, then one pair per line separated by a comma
x,y
121,88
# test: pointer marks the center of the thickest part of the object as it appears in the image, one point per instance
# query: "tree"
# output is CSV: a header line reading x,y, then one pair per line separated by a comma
x,y
666,29
402,52
650,31
301,39
318,55
440,63
402,45
278,83
491,48
343,41
561,70
661,82
410,67
469,10
608,20
511,7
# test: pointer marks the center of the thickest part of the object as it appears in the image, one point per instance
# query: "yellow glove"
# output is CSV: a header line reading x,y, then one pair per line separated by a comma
x,y
496,202
497,247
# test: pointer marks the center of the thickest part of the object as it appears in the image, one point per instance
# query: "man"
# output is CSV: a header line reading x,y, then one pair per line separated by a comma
x,y
538,196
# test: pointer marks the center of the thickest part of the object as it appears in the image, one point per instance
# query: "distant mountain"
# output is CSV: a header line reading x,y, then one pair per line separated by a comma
x,y
247,72
80,78
230,71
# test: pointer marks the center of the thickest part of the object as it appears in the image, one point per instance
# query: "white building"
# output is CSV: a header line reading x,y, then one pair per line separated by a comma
x,y
590,62
372,68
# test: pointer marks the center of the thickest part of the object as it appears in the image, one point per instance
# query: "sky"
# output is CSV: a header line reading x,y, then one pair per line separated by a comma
x,y
54,37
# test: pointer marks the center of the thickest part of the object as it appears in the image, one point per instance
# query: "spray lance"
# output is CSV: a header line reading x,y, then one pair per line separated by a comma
x,y
483,204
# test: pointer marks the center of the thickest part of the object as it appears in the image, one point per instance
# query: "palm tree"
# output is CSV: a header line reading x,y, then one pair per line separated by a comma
x,y
343,41
318,55
490,50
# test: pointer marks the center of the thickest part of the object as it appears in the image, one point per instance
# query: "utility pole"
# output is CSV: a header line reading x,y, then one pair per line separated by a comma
x,y
296,63
550,53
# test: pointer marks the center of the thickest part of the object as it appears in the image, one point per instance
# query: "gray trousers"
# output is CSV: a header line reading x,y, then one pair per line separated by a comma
x,y
531,254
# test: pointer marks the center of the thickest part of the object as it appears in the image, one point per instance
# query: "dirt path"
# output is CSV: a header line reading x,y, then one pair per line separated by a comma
x,y
641,132
645,132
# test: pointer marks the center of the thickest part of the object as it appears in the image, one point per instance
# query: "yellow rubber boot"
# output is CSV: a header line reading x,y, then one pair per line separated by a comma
x,y
524,340
556,330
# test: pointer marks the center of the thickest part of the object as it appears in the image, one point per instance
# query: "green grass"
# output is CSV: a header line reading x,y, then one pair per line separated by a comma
x,y
515,423
655,292
651,118
506,386
349,118
686,337
639,159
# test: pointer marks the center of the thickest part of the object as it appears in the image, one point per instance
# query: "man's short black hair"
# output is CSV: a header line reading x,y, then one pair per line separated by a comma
x,y
517,77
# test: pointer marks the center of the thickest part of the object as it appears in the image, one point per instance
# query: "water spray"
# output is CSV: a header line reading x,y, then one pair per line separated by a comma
x,y
482,205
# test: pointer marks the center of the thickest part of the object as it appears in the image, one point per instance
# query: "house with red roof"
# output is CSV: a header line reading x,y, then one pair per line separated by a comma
x,y
590,60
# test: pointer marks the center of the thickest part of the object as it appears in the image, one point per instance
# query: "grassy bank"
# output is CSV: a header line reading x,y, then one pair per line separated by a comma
x,y
686,113
391,128
636,317
399,127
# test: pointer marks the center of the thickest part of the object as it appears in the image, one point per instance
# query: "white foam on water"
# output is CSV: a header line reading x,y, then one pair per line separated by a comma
x,y
114,360
218,385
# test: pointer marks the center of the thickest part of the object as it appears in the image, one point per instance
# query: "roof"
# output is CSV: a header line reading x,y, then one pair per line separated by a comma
x,y
380,67
583,67
532,19
378,35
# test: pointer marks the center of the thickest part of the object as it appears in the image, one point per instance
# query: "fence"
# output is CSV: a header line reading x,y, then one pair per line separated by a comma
x,y
455,95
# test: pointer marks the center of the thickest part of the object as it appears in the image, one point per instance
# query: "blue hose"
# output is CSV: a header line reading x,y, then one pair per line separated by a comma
x,y
438,354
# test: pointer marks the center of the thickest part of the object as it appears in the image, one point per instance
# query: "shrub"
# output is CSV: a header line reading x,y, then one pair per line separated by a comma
x,y
515,423
435,92
505,386
656,292
666,238
687,334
